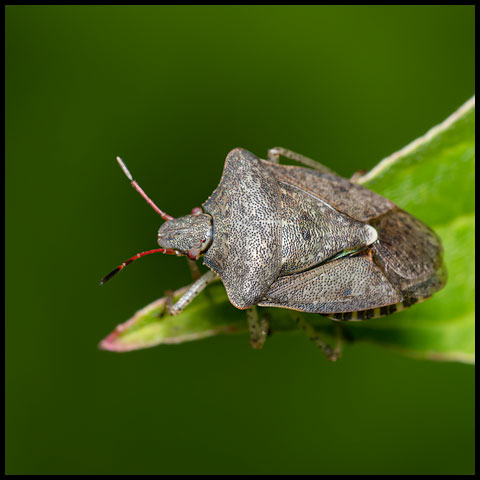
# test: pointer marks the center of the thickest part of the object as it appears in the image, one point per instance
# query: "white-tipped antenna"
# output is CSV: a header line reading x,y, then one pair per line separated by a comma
x,y
126,171
137,187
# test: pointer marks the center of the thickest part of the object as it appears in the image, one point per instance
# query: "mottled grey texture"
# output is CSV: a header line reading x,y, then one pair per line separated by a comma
x,y
346,284
186,233
313,231
410,254
277,227
346,197
246,248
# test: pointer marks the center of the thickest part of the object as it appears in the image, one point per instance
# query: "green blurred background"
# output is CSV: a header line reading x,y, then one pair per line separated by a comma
x,y
172,89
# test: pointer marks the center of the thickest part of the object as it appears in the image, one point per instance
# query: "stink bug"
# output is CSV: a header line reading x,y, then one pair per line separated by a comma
x,y
301,238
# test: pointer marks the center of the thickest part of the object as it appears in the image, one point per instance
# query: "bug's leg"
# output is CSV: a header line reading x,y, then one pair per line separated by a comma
x,y
195,288
357,175
337,349
257,327
168,303
332,353
194,270
275,152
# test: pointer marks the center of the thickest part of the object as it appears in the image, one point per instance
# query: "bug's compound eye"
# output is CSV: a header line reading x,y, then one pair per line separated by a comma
x,y
193,254
196,211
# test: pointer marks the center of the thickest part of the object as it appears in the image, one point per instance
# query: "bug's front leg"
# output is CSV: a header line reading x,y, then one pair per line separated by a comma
x,y
194,289
257,327
275,152
332,353
194,270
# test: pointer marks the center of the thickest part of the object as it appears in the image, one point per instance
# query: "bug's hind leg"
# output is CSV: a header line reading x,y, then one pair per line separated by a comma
x,y
275,152
194,289
257,327
332,353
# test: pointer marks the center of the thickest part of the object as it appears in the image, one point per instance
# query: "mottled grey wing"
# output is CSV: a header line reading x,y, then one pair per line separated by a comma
x,y
347,197
409,253
246,248
348,284
313,231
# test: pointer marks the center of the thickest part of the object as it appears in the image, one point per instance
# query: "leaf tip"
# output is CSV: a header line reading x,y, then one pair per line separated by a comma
x,y
111,343
108,343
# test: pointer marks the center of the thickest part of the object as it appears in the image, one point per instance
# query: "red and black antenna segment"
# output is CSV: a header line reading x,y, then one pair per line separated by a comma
x,y
165,216
167,251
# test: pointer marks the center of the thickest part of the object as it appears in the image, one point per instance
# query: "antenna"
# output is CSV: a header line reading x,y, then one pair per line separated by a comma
x,y
137,187
167,251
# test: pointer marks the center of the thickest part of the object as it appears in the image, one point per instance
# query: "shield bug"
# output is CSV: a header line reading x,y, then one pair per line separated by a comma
x,y
301,238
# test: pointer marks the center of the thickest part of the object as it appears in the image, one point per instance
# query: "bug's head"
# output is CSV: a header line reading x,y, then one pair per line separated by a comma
x,y
190,235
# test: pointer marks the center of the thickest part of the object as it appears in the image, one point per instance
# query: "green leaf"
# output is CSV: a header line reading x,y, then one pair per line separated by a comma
x,y
432,178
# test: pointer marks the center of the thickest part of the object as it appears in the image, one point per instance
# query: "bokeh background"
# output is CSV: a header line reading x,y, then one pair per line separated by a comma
x,y
172,89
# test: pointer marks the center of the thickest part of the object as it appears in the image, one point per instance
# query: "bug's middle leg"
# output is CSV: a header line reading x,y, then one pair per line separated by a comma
x,y
257,327
275,152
